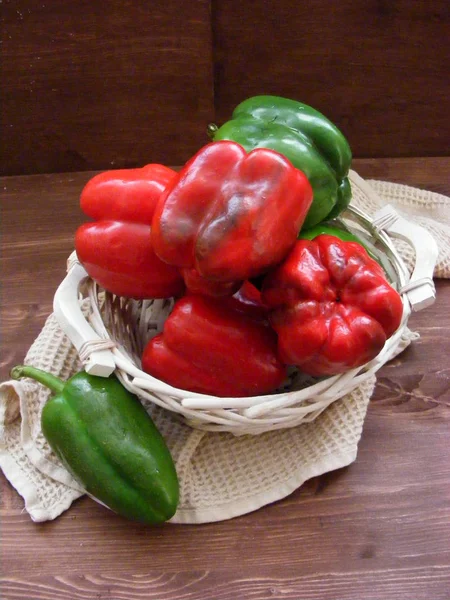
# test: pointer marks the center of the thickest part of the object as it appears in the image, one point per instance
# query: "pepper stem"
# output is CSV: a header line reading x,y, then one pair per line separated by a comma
x,y
211,129
47,379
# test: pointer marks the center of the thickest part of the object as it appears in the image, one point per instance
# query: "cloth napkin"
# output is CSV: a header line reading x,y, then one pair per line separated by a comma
x,y
221,475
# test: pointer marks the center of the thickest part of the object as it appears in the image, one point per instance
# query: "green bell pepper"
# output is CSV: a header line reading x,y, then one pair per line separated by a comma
x,y
327,229
307,138
108,442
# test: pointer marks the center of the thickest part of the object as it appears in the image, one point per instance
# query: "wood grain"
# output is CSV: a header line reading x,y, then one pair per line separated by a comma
x,y
93,85
377,68
421,584
413,171
377,530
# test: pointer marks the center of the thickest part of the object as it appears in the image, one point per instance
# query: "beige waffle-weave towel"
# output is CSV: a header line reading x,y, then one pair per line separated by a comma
x,y
221,476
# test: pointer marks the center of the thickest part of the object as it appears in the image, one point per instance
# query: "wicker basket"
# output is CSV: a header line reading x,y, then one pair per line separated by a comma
x,y
114,331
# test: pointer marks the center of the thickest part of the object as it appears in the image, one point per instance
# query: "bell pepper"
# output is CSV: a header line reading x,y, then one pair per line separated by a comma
x,y
116,249
197,284
110,445
331,229
306,137
208,346
248,301
331,305
231,215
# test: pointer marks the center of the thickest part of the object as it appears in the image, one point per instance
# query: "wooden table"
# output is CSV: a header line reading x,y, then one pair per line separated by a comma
x,y
377,530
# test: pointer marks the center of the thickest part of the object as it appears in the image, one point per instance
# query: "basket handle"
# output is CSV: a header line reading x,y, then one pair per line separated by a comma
x,y
420,288
99,361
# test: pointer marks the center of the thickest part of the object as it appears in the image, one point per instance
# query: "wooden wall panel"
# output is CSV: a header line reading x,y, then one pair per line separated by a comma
x,y
88,84
97,85
378,68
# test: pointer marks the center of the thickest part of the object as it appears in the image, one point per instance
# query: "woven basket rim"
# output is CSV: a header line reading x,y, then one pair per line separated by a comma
x,y
262,410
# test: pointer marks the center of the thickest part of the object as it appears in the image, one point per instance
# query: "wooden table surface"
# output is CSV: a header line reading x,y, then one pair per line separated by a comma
x,y
376,530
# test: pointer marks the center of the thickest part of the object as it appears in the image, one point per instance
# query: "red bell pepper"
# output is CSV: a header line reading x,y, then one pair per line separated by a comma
x,y
196,284
209,347
231,215
331,305
248,300
116,249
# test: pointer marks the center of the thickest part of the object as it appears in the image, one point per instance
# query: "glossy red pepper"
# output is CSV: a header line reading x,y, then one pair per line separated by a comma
x,y
209,347
116,248
331,305
197,284
231,215
248,301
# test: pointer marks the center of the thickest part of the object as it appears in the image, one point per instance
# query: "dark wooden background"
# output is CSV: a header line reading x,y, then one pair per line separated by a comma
x,y
94,85
90,85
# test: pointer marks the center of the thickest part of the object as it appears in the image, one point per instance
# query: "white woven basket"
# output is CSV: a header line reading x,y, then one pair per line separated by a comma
x,y
113,335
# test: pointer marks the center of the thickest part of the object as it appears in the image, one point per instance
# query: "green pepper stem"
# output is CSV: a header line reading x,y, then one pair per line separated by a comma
x,y
47,379
211,129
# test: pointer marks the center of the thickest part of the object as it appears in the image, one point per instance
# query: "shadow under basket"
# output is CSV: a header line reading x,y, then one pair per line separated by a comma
x,y
110,332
